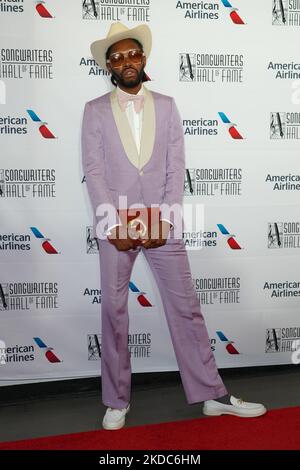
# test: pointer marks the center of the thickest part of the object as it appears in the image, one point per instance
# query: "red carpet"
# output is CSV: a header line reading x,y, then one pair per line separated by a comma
x,y
278,429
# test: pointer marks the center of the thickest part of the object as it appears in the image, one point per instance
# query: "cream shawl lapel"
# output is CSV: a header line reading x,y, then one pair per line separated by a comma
x,y
148,130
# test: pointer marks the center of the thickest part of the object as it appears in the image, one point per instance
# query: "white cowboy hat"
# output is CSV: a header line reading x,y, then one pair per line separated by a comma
x,y
117,32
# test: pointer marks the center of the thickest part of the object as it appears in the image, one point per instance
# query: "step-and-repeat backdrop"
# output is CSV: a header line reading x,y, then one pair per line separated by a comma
x,y
233,69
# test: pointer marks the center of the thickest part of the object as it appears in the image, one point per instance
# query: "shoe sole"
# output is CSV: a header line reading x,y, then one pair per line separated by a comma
x,y
219,413
118,425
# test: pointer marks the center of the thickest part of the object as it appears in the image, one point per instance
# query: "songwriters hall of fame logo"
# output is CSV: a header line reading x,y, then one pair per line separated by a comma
x,y
212,182
92,246
273,340
90,10
2,183
30,182
4,297
286,12
94,347
285,125
277,125
284,340
211,68
275,235
187,67
25,296
116,10
284,235
189,182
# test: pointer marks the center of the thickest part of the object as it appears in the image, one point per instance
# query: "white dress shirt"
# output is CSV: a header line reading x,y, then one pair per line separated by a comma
x,y
135,119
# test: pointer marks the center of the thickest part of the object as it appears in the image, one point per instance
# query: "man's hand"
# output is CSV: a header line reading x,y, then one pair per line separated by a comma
x,y
120,239
158,236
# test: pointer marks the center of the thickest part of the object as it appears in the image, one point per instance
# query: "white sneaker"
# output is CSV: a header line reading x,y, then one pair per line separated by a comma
x,y
238,407
115,418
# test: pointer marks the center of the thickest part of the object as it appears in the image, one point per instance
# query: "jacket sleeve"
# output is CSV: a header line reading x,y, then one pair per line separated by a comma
x,y
175,168
94,168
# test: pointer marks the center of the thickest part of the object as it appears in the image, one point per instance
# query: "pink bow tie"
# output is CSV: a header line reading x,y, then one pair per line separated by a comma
x,y
138,101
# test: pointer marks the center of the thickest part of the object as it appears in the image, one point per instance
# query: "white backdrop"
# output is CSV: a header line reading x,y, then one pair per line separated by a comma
x,y
218,72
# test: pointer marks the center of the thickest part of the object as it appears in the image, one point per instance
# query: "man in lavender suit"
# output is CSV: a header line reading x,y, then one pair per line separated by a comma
x,y
133,147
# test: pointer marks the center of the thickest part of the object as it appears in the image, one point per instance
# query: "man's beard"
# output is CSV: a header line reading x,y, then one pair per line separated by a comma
x,y
129,82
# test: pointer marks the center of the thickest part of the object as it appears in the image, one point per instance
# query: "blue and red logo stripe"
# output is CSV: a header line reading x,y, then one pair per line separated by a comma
x,y
228,344
45,242
233,12
42,10
141,298
43,129
49,354
234,133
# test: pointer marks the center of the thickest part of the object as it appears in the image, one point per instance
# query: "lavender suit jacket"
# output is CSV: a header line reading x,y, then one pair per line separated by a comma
x,y
113,167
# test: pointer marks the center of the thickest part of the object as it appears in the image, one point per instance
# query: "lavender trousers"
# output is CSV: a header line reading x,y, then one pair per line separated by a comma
x,y
170,267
